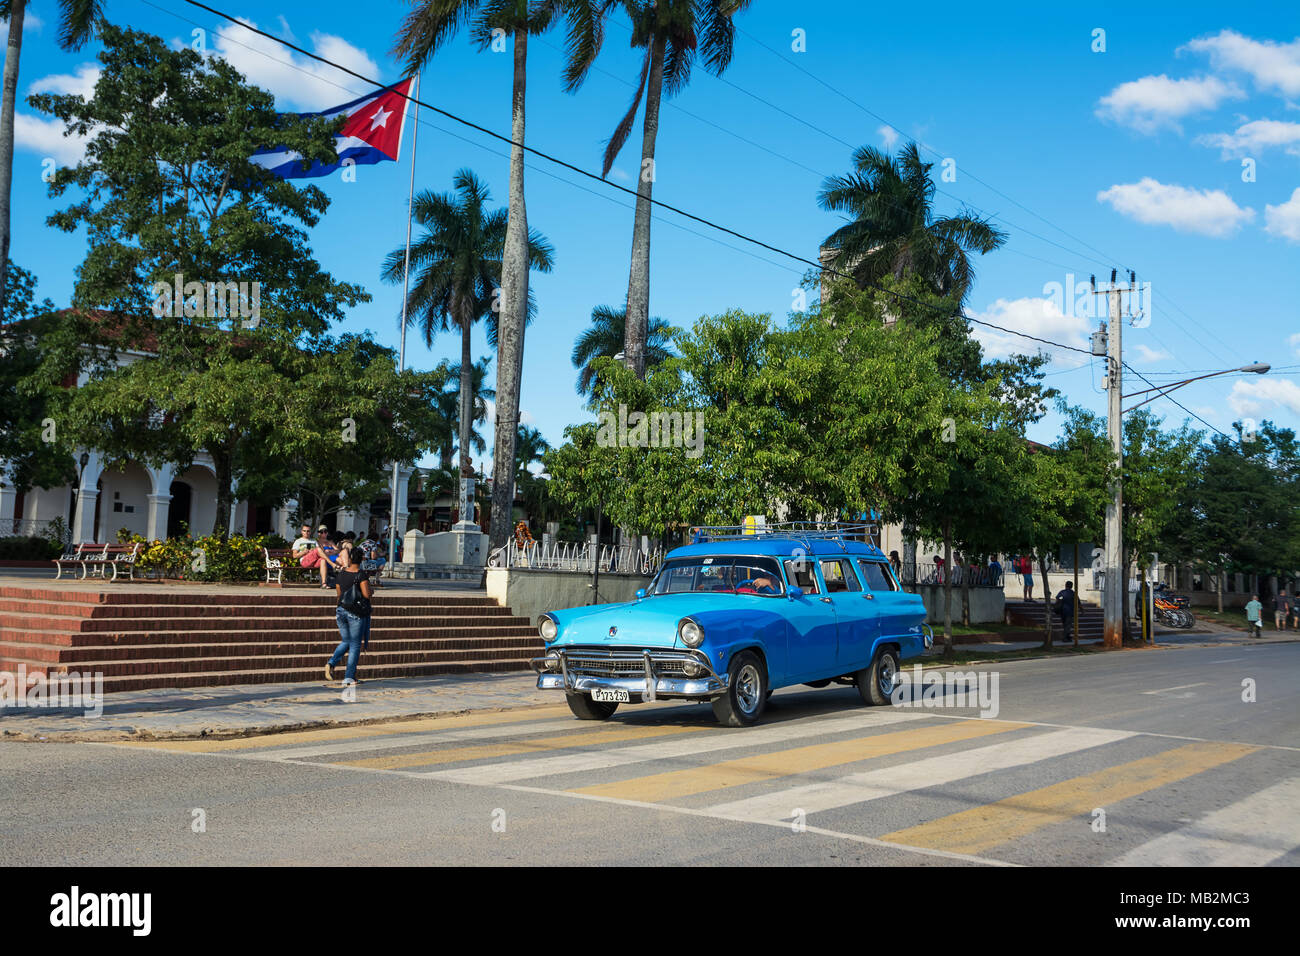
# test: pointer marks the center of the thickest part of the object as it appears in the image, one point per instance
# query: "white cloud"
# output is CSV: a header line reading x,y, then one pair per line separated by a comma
x,y
297,81
1039,317
1148,354
888,136
1254,397
1256,136
1203,211
1273,66
1155,101
82,83
619,174
1295,342
1284,220
45,138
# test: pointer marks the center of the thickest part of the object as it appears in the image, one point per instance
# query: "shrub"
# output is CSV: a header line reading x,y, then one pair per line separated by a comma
x,y
29,548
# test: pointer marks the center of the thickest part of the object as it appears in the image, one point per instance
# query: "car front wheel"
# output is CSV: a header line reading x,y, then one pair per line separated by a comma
x,y
876,683
584,708
746,694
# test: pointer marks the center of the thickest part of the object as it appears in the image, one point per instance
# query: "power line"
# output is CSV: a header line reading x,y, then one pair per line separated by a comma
x,y
1165,394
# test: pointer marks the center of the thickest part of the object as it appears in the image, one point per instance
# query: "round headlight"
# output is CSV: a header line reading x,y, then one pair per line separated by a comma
x,y
546,627
552,661
692,634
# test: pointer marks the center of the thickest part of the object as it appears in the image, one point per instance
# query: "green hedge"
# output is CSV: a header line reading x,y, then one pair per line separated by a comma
x,y
31,548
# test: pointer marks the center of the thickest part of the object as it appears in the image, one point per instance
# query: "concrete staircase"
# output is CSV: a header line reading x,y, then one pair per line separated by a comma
x,y
1029,614
149,639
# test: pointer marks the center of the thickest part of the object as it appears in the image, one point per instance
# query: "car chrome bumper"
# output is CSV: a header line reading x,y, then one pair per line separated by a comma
x,y
647,681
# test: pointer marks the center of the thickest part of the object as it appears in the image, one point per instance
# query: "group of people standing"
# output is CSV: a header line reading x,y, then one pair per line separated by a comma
x,y
352,565
1286,610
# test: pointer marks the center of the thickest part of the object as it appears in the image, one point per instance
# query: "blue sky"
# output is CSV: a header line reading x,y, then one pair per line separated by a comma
x,y
1127,157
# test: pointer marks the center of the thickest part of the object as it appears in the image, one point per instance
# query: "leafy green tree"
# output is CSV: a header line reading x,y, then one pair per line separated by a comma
x,y
156,206
673,33
33,448
605,338
892,228
457,265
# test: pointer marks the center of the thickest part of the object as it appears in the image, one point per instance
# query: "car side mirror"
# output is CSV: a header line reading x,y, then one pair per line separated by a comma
x,y
795,593
640,593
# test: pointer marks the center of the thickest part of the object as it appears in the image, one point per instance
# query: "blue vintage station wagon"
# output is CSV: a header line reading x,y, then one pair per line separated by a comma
x,y
735,615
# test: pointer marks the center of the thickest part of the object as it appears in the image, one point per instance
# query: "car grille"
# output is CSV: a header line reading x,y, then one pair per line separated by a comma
x,y
608,665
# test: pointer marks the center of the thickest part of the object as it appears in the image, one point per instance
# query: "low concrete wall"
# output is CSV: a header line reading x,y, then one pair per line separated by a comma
x,y
986,604
529,593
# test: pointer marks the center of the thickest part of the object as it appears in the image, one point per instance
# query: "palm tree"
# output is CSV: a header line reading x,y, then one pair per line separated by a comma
x,y
892,230
605,338
480,395
531,447
457,269
429,25
76,26
672,33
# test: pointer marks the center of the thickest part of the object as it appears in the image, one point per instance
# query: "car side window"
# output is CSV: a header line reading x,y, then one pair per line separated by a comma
x,y
800,575
839,576
877,576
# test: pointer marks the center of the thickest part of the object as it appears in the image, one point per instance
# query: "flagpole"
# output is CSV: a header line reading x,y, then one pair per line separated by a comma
x,y
406,275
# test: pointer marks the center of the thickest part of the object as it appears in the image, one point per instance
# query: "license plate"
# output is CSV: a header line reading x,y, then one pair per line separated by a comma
x,y
610,696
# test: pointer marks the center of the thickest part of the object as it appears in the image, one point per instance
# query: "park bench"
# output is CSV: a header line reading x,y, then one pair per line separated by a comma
x,y
76,556
281,560
100,560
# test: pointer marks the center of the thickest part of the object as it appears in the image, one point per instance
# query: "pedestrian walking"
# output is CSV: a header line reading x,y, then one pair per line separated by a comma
x,y
1281,610
1025,568
1253,609
352,614
1066,606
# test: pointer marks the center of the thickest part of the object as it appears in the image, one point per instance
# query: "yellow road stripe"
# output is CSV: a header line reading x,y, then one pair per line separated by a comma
x,y
605,735
786,763
356,732
981,828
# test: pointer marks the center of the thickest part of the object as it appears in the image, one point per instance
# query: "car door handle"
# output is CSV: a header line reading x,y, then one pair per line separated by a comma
x,y
826,600
869,597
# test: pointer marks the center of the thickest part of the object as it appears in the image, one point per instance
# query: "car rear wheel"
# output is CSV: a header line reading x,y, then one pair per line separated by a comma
x,y
876,683
746,694
584,708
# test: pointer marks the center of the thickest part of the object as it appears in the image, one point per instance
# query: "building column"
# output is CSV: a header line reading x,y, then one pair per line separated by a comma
x,y
399,509
159,509
83,518
8,501
280,520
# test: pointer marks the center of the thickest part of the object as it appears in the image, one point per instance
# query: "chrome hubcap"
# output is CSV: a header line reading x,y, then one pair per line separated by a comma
x,y
888,675
748,688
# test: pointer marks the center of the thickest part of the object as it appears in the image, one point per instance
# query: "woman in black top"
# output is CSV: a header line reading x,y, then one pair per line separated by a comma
x,y
352,616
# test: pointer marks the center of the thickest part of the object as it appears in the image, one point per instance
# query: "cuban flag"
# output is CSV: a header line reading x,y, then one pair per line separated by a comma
x,y
371,134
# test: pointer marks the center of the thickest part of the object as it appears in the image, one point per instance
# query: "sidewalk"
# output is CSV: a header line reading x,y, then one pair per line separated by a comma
x,y
268,708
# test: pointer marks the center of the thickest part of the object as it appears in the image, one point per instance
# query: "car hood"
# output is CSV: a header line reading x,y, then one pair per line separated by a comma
x,y
649,622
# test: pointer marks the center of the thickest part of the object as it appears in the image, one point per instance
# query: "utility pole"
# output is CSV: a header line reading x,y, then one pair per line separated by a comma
x,y
1116,580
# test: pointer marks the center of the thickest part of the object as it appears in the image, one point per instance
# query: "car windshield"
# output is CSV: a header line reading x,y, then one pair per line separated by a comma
x,y
727,574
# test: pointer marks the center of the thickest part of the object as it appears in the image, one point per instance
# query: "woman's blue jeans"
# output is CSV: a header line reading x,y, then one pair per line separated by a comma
x,y
354,630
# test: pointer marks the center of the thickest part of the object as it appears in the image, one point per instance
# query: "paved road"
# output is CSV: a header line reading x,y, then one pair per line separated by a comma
x,y
1157,744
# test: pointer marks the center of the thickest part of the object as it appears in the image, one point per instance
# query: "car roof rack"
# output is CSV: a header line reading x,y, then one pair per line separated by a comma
x,y
804,532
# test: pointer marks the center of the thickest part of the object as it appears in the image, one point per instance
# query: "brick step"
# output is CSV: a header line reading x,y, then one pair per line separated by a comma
x,y
315,674
306,631
215,622
32,653
256,596
388,602
306,660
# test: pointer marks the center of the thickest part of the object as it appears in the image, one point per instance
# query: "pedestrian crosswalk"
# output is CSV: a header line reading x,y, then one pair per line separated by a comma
x,y
988,789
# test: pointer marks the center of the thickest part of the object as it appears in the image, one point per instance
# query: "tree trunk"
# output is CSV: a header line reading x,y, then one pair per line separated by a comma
x,y
947,588
965,593
1047,599
466,405
225,493
17,12
1148,627
1223,583
514,315
638,285
1076,594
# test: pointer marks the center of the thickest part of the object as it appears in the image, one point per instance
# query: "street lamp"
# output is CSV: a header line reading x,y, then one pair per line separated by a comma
x,y
1256,368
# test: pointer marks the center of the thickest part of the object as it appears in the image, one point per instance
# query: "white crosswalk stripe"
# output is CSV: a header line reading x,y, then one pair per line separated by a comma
x,y
510,771
1254,831
417,740
916,775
